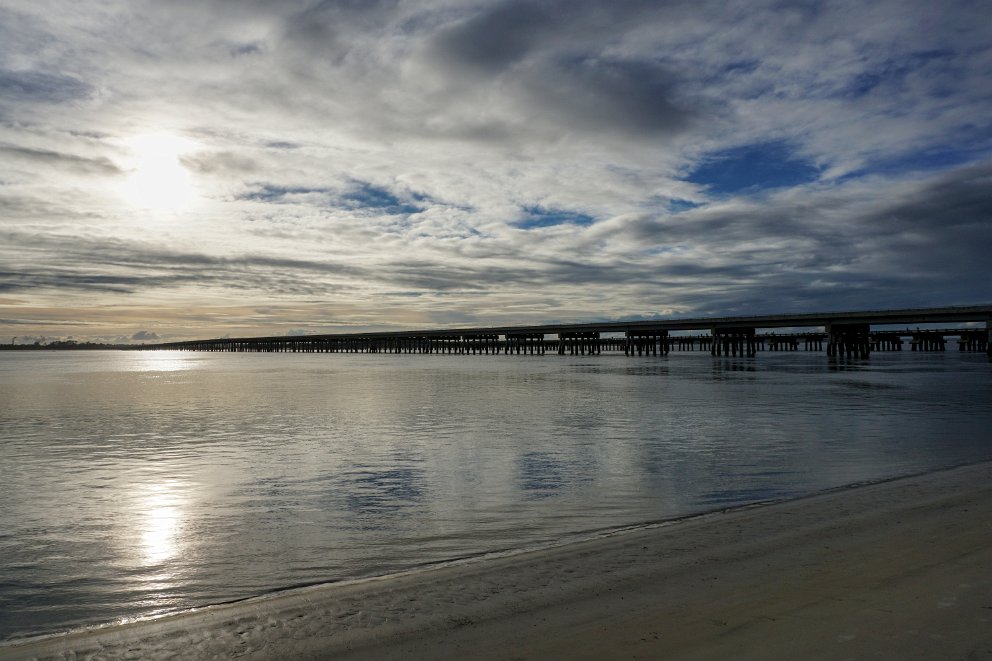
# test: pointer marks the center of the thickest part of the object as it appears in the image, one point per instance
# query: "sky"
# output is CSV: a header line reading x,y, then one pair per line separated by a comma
x,y
193,169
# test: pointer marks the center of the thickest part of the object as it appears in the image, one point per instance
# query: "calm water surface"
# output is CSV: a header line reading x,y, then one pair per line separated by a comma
x,y
135,484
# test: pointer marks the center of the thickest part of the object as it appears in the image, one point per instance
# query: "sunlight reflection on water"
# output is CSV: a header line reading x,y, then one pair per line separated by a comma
x,y
161,514
157,361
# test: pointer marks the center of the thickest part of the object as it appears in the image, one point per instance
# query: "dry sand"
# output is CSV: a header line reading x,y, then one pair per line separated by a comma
x,y
900,569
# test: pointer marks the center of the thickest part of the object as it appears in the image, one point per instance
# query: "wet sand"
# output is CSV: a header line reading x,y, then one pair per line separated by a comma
x,y
899,569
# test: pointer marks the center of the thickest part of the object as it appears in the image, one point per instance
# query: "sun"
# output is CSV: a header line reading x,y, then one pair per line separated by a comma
x,y
157,180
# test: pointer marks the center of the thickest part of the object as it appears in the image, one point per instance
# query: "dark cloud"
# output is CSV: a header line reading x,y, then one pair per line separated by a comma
x,y
551,58
505,33
952,202
330,31
68,279
39,86
229,163
495,39
49,158
141,268
240,50
631,97
944,228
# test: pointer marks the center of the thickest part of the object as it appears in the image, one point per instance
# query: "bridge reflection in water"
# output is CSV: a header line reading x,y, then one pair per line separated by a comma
x,y
841,334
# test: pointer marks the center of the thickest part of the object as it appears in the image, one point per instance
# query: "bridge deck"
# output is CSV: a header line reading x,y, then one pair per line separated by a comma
x,y
844,332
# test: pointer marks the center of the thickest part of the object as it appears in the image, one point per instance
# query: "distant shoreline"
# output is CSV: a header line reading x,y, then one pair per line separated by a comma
x,y
897,567
65,346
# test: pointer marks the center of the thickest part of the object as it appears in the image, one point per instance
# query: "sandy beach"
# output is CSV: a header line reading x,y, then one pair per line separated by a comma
x,y
898,569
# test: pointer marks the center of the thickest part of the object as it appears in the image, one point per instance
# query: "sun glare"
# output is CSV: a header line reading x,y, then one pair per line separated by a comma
x,y
157,179
162,518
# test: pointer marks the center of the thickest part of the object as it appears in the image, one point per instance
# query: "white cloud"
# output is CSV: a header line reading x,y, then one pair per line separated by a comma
x,y
369,163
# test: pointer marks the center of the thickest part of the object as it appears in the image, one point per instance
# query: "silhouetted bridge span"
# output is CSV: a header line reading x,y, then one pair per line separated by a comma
x,y
841,334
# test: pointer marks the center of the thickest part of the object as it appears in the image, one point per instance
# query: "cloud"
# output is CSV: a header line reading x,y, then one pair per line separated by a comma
x,y
634,98
493,40
367,165
49,158
39,86
33,339
221,163
554,75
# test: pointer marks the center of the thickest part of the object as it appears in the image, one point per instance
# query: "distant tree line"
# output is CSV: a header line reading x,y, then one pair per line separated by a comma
x,y
64,345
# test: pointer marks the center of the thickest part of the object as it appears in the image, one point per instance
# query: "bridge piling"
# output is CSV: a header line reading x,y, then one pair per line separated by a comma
x,y
849,340
731,340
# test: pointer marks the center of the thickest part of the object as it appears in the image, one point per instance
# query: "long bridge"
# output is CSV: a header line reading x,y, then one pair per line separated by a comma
x,y
840,334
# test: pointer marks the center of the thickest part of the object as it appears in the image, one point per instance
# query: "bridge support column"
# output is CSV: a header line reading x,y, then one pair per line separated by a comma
x,y
650,342
928,341
578,343
484,343
731,340
974,340
848,340
525,342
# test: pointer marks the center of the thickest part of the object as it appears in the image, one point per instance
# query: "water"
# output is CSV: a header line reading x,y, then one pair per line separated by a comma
x,y
140,483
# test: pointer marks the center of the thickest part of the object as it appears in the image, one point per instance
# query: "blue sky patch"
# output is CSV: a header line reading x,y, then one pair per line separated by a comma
x,y
367,196
277,194
678,205
753,168
536,217
362,197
